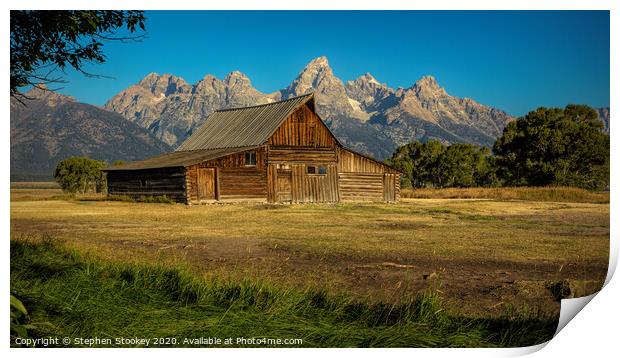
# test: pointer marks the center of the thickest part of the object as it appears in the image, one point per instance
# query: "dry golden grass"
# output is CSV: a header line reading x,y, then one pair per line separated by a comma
x,y
51,194
556,194
379,251
34,185
455,229
22,194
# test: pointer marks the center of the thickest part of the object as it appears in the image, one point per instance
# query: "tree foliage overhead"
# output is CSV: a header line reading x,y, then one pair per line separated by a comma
x,y
43,42
81,175
553,146
433,164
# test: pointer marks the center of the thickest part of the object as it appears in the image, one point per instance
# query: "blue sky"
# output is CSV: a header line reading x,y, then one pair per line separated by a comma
x,y
512,60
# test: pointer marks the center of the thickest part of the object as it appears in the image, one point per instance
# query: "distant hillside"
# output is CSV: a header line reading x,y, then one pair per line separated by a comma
x,y
52,127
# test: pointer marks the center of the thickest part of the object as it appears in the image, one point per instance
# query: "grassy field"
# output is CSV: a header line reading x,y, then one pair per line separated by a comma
x,y
557,194
484,262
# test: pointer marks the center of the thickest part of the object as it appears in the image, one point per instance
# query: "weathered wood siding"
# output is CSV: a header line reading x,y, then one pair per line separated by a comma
x,y
391,187
148,182
302,128
361,186
350,162
364,179
233,179
304,187
301,156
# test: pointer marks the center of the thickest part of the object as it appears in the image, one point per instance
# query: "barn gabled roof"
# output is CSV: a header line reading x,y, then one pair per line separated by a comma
x,y
242,127
179,159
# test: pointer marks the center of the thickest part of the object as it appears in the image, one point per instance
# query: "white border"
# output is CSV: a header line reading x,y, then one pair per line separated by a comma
x,y
593,331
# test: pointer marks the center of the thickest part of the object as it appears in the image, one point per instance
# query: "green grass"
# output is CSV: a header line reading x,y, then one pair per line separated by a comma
x,y
70,295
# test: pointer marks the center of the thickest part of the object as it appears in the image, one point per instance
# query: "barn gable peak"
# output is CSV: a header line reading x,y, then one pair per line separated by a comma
x,y
245,126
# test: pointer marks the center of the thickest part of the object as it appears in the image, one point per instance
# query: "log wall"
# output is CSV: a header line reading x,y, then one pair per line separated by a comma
x,y
301,156
234,180
350,162
361,186
148,182
364,179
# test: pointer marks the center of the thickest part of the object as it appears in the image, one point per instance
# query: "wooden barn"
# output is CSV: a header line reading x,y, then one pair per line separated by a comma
x,y
276,152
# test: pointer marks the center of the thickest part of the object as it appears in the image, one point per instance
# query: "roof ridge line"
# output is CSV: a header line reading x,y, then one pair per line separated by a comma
x,y
196,150
264,104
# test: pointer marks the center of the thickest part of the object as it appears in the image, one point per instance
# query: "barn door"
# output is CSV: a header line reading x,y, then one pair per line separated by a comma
x,y
283,186
206,184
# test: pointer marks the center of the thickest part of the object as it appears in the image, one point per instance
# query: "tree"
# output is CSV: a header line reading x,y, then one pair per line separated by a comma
x,y
80,175
433,164
417,160
44,42
554,146
464,165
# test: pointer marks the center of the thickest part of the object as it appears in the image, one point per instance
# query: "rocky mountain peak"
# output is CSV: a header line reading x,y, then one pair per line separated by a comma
x,y
236,79
317,76
164,85
427,87
370,79
368,92
320,61
329,90
240,92
207,84
366,81
149,79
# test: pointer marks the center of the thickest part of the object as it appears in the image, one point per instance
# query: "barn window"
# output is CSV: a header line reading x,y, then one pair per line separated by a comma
x,y
316,170
250,159
142,182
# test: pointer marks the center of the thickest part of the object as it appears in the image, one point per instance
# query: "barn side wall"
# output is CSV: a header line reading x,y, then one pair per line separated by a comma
x,y
363,179
234,180
148,182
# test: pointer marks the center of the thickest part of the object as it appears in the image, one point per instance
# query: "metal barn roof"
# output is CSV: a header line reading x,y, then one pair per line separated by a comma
x,y
179,159
242,127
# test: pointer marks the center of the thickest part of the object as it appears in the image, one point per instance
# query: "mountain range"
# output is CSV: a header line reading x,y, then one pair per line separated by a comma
x,y
50,127
159,112
365,114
